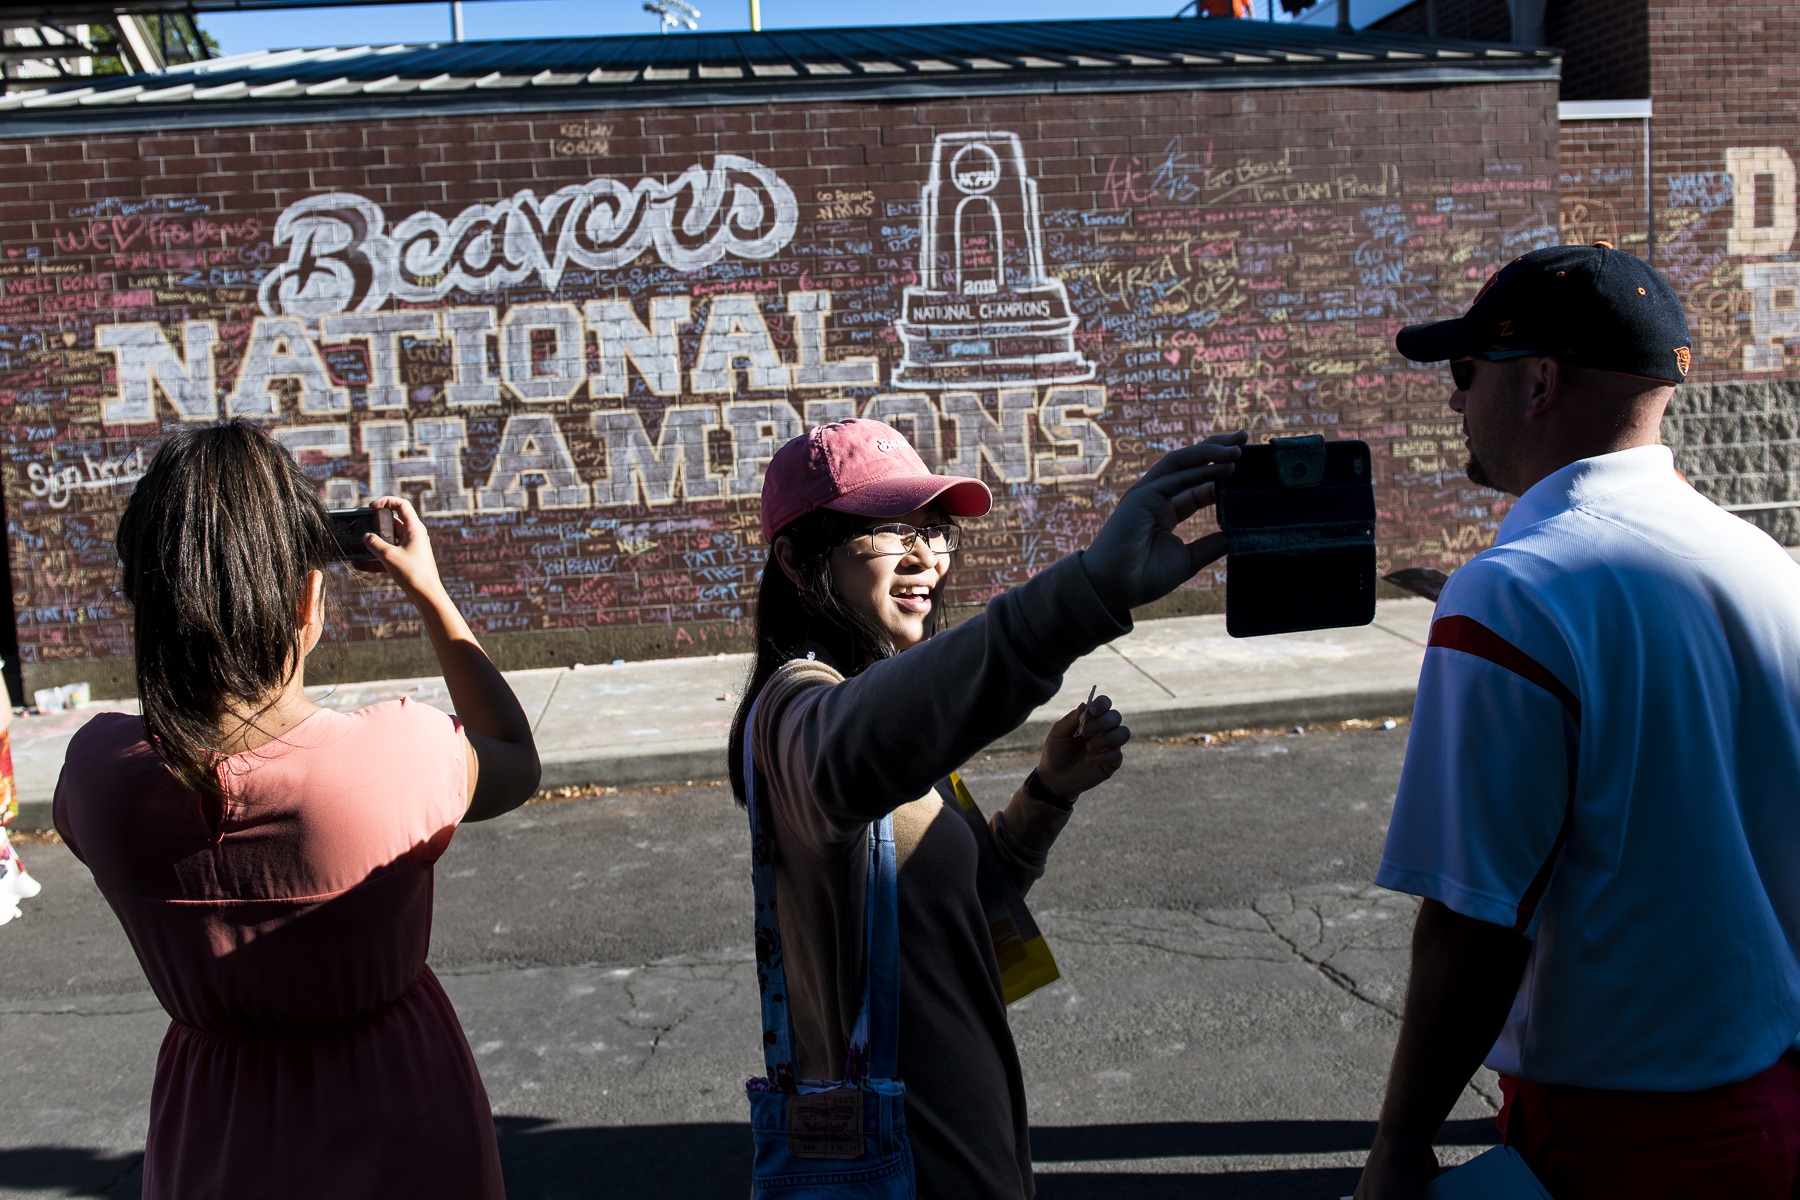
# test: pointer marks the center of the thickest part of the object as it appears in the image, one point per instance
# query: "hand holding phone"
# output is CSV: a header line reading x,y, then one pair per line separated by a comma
x,y
503,768
351,523
406,555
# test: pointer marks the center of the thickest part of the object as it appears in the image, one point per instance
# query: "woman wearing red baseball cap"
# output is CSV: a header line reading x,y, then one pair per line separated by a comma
x,y
842,746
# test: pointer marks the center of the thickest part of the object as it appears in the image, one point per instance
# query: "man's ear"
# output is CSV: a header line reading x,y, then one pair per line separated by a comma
x,y
1546,382
789,558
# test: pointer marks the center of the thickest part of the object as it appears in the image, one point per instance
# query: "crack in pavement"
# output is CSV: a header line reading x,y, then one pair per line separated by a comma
x,y
1324,967
1287,926
661,1031
1357,939
123,1005
637,1009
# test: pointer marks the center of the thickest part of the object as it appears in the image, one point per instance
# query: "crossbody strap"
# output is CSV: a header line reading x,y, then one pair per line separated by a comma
x,y
874,1042
771,981
881,983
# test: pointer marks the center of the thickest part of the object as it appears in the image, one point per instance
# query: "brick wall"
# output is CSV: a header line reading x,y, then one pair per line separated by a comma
x,y
1605,43
1472,20
1602,184
1725,94
1724,81
1606,47
1725,85
584,416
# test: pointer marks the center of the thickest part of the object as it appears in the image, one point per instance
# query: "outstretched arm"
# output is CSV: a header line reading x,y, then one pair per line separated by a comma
x,y
874,742
1465,974
502,756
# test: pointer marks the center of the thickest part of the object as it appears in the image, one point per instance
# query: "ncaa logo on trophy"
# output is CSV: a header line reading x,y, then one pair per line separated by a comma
x,y
984,311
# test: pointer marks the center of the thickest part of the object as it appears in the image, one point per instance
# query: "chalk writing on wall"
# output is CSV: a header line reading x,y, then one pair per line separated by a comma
x,y
985,311
582,388
1726,239
340,259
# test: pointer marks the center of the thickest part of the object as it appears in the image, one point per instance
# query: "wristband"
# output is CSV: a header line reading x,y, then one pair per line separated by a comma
x,y
1038,790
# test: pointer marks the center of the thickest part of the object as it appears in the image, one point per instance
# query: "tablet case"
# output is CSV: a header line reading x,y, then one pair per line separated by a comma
x,y
1300,513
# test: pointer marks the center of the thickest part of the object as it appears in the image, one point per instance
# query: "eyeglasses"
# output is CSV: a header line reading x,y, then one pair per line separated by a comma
x,y
1462,371
900,539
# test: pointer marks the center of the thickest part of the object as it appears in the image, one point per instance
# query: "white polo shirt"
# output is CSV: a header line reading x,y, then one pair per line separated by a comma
x,y
1605,756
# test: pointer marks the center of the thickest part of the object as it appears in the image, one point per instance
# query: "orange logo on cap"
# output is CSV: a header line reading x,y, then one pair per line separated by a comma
x,y
1683,359
1484,289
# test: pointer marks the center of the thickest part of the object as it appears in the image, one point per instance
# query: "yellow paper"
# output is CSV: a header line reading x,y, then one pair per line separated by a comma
x,y
1026,963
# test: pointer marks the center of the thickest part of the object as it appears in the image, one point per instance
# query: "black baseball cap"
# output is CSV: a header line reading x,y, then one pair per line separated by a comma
x,y
1594,305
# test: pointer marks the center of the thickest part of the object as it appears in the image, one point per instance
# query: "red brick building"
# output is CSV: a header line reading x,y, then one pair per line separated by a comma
x,y
571,295
1680,134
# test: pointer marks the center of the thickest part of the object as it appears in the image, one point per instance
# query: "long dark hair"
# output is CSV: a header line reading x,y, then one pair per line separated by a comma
x,y
218,544
810,618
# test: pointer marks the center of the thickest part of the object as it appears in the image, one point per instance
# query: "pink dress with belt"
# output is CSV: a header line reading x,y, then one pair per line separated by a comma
x,y
311,1051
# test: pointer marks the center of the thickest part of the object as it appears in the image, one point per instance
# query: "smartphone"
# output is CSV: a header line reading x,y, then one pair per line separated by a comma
x,y
1300,514
351,523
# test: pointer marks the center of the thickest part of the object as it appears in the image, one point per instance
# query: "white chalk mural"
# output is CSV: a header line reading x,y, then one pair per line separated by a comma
x,y
1765,221
582,376
985,311
341,259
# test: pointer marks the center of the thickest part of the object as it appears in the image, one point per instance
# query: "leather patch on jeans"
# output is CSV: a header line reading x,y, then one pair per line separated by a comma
x,y
826,1124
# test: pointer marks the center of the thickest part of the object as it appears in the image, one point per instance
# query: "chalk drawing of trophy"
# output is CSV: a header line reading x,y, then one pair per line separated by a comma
x,y
984,312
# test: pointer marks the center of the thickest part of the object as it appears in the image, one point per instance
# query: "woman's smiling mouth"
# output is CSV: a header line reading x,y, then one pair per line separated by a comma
x,y
914,598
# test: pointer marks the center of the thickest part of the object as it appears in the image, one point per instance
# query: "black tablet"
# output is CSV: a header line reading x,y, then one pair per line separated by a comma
x,y
1300,513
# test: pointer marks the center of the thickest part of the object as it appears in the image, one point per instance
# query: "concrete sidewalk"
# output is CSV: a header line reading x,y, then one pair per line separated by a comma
x,y
666,720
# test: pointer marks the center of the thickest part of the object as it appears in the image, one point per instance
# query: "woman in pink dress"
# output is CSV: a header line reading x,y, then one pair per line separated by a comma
x,y
271,861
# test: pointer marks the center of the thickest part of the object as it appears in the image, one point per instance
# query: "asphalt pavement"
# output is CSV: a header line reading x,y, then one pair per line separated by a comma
x,y
1227,1009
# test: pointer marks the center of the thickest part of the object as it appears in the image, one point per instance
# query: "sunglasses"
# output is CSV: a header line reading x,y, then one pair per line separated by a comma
x,y
1462,370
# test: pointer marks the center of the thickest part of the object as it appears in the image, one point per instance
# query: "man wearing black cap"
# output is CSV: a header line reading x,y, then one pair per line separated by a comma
x,y
1598,803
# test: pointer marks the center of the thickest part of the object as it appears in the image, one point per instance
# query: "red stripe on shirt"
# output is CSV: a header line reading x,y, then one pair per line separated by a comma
x,y
1472,637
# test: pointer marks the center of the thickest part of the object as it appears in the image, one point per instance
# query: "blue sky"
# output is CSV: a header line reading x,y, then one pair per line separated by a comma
x,y
390,23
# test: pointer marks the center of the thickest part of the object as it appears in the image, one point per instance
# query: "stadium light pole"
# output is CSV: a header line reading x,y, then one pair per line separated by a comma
x,y
456,24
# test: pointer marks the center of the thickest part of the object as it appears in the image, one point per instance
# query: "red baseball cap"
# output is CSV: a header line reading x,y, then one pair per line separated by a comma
x,y
861,467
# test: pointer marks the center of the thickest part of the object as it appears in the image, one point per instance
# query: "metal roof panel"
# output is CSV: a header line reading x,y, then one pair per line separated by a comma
x,y
1153,53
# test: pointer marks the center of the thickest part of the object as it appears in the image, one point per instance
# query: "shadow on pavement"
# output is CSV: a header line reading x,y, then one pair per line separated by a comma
x,y
71,1171
544,1161
1306,1183
1179,1139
